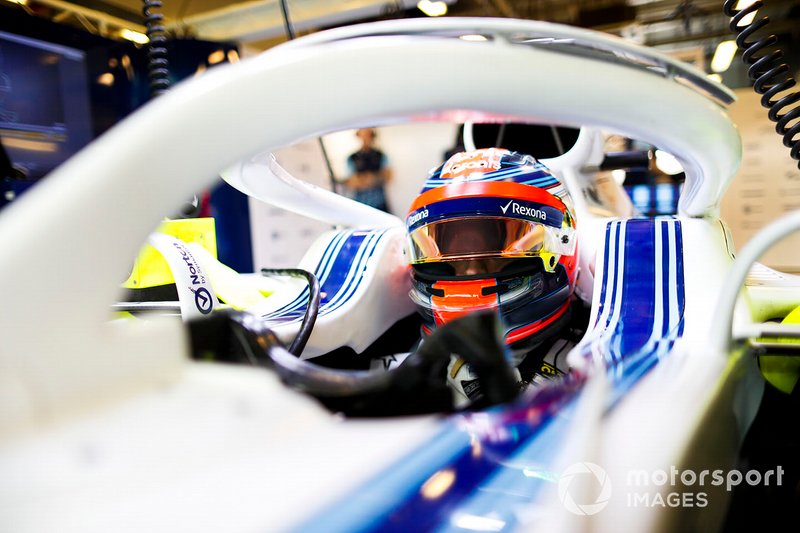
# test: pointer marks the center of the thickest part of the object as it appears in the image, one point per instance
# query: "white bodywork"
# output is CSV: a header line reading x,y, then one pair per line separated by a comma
x,y
111,426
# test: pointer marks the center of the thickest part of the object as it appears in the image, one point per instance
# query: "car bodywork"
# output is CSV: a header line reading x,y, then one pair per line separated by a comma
x,y
112,426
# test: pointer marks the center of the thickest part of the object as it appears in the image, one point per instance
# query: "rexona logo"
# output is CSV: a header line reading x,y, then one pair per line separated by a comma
x,y
530,212
416,217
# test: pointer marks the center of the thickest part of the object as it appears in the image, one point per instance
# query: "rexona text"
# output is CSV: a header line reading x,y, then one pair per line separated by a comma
x,y
531,212
416,217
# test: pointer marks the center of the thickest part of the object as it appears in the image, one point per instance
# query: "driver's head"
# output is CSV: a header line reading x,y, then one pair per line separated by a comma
x,y
492,229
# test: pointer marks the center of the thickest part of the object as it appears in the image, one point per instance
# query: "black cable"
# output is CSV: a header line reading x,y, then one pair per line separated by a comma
x,y
312,310
286,22
262,347
474,337
557,139
769,74
290,35
416,386
332,179
157,64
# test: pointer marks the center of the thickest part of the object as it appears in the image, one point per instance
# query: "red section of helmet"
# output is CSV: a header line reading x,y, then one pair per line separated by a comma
x,y
535,327
460,298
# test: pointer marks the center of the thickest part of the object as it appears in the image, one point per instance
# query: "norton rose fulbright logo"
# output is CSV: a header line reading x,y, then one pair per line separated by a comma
x,y
203,301
585,488
202,297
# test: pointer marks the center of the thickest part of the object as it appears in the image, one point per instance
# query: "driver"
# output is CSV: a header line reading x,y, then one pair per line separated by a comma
x,y
494,229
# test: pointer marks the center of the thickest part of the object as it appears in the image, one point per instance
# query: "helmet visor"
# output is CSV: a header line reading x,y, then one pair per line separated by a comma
x,y
484,237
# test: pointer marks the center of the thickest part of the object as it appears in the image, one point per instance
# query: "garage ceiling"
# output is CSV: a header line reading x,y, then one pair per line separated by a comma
x,y
670,24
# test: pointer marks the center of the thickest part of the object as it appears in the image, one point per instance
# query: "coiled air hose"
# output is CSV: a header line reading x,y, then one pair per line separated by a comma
x,y
157,63
769,74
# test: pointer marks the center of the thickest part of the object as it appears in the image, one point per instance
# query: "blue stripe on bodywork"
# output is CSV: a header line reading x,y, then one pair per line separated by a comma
x,y
609,282
468,451
628,323
628,342
517,480
322,270
340,273
637,288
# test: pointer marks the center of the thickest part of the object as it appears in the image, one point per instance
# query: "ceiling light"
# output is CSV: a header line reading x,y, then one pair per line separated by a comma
x,y
106,79
216,57
716,77
723,56
432,9
135,36
667,163
29,144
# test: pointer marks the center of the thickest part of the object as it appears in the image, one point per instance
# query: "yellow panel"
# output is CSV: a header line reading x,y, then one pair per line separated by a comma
x,y
151,270
782,371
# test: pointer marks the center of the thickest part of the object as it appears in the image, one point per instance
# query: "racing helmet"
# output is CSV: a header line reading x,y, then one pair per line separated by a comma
x,y
493,229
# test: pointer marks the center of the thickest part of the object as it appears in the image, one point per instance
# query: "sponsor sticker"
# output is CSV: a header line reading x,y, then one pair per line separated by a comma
x,y
195,293
466,163
514,207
